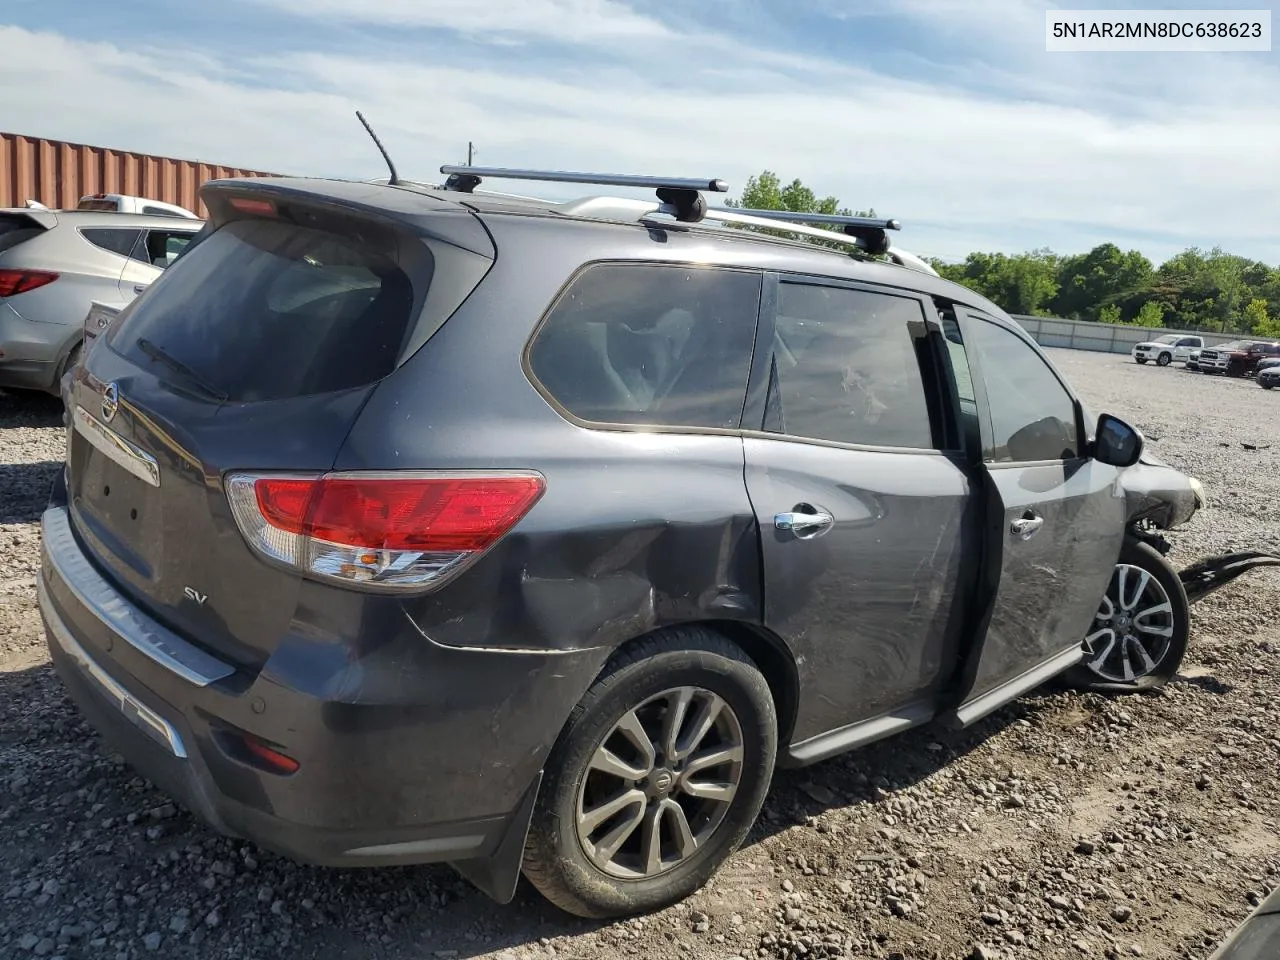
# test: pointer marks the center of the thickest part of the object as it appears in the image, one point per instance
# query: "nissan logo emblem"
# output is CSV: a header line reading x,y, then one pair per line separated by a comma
x,y
110,402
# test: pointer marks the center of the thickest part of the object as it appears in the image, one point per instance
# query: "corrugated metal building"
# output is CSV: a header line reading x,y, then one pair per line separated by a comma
x,y
58,174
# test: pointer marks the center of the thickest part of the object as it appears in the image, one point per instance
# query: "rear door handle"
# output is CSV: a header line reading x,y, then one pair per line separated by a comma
x,y
1026,527
804,524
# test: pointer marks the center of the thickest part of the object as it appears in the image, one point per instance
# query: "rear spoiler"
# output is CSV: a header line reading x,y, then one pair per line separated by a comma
x,y
45,219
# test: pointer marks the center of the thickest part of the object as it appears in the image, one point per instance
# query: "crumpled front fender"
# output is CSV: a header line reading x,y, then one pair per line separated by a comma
x,y
1157,493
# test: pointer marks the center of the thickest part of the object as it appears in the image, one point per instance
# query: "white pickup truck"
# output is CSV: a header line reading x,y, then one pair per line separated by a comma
x,y
123,203
1164,350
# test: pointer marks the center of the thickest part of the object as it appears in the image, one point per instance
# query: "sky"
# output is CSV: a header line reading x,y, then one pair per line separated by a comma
x,y
946,114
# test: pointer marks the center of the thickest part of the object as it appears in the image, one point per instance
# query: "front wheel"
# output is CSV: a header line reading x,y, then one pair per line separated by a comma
x,y
1141,359
1164,360
1266,384
656,779
1139,635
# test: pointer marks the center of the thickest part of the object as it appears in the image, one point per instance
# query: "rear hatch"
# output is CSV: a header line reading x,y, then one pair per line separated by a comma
x,y
255,351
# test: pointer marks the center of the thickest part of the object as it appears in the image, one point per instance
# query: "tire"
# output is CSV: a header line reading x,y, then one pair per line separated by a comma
x,y
1141,359
644,682
69,363
1104,673
1164,360
1266,386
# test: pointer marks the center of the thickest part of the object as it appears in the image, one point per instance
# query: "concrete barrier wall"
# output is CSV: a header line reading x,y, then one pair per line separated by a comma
x,y
1102,337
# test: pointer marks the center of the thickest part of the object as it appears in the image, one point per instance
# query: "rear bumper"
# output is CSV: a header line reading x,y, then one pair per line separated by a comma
x,y
389,774
30,352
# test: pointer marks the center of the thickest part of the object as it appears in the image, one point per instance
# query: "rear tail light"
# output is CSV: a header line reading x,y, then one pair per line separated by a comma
x,y
14,282
393,531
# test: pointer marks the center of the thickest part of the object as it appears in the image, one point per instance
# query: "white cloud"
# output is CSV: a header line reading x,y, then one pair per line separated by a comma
x,y
962,171
566,20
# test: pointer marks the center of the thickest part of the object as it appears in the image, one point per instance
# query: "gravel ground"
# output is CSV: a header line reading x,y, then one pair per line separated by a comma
x,y
1063,826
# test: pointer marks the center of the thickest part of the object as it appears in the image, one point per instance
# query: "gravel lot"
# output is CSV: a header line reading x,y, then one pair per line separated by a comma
x,y
1063,826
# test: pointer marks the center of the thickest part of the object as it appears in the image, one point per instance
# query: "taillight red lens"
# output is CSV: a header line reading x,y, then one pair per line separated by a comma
x,y
284,502
14,282
412,513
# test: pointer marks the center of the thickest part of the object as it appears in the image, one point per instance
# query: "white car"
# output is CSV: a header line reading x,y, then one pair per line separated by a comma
x,y
1164,350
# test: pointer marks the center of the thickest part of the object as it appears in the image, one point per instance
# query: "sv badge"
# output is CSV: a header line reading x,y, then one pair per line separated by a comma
x,y
192,593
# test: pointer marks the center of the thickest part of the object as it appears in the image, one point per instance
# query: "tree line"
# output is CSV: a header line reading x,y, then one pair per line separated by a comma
x,y
1208,290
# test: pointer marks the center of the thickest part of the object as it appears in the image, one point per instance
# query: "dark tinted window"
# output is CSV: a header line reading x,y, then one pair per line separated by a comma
x,y
1032,415
962,375
15,229
159,211
262,310
113,239
651,344
845,368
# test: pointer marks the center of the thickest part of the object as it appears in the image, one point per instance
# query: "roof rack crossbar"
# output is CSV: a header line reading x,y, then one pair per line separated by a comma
x,y
711,184
791,216
681,197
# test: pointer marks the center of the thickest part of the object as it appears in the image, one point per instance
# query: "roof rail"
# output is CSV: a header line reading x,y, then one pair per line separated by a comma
x,y
870,230
794,216
678,196
625,208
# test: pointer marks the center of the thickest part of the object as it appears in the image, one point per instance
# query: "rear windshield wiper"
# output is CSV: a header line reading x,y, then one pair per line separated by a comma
x,y
177,366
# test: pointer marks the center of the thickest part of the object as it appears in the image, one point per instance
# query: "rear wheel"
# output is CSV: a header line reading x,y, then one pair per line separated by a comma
x,y
1139,635
70,363
1164,359
657,778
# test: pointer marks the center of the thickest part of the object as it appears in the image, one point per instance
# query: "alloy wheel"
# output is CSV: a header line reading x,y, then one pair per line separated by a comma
x,y
1133,628
660,783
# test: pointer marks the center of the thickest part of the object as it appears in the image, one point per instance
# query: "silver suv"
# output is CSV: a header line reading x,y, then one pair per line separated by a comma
x,y
54,264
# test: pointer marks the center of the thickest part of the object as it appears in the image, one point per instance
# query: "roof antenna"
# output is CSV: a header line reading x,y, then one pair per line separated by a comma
x,y
395,177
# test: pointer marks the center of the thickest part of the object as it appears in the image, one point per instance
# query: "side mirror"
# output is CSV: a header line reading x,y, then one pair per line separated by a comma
x,y
1116,442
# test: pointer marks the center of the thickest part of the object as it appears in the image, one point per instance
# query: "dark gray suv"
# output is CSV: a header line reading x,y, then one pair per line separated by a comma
x,y
406,524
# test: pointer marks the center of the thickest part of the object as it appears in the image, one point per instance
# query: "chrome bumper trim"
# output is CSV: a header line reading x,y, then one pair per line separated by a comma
x,y
116,448
120,616
147,720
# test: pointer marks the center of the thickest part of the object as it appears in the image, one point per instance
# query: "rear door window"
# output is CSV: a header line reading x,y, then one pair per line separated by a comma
x,y
650,345
845,368
161,247
262,310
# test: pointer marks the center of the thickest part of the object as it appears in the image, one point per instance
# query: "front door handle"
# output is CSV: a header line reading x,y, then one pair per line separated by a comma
x,y
139,287
1027,526
804,524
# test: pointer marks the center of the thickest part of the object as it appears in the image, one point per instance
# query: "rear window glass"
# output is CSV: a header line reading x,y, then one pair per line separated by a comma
x,y
651,345
262,310
14,230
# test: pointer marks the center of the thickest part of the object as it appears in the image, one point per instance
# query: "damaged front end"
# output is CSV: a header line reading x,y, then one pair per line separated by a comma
x,y
1160,498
